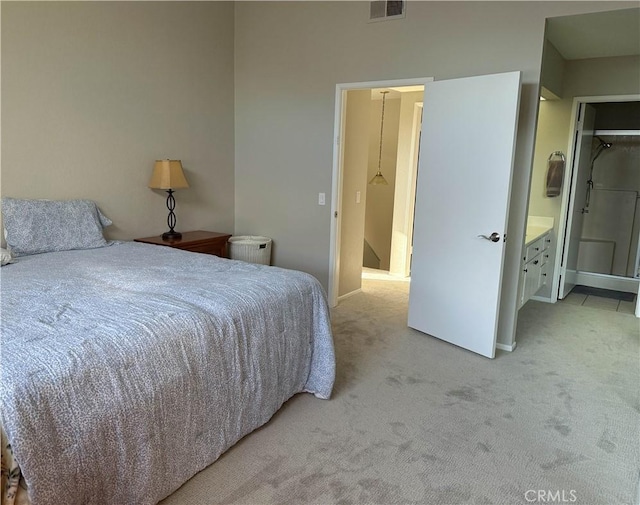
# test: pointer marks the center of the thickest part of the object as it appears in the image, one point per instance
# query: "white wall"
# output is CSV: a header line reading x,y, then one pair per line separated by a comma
x,y
94,92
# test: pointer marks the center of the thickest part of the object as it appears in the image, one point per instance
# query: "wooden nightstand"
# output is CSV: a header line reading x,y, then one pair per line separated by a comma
x,y
207,242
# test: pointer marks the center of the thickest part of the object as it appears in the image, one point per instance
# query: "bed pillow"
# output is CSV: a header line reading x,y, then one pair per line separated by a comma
x,y
38,226
5,257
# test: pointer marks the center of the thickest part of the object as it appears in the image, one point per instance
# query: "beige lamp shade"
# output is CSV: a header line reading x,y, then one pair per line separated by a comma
x,y
168,174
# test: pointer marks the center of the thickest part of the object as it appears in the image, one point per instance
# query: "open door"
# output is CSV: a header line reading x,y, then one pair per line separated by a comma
x,y
462,202
575,215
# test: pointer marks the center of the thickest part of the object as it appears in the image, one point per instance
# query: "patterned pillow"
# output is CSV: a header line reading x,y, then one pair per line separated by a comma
x,y
38,226
5,257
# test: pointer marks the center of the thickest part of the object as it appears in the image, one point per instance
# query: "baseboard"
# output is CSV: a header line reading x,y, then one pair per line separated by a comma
x,y
625,284
505,347
544,299
355,292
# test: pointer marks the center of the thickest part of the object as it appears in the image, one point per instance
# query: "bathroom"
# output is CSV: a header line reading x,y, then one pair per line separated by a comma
x,y
589,118
611,224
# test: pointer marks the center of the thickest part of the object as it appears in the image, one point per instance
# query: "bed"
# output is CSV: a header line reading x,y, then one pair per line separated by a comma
x,y
128,368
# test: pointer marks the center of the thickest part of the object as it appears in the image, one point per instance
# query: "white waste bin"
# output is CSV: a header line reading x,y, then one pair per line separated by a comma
x,y
254,249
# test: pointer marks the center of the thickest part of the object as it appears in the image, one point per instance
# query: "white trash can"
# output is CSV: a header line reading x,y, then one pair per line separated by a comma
x,y
253,249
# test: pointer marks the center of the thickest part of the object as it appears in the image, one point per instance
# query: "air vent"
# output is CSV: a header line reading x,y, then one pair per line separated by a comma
x,y
383,10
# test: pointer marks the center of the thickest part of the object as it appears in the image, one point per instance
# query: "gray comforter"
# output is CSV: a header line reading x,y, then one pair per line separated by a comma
x,y
127,369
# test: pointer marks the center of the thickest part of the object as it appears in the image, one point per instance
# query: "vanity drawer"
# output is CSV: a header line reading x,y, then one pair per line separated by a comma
x,y
544,275
534,249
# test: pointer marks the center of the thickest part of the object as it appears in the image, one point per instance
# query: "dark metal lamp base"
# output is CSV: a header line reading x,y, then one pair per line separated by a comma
x,y
171,235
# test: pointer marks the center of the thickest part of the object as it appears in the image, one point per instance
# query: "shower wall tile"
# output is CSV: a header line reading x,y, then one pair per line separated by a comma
x,y
610,217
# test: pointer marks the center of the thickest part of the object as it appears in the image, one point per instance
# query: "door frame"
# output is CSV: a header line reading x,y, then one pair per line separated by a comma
x,y
337,172
578,137
567,203
402,265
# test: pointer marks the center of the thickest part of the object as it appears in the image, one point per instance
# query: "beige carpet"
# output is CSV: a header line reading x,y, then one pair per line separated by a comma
x,y
414,420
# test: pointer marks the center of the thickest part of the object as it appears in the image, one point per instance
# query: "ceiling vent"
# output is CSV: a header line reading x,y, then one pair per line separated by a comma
x,y
383,10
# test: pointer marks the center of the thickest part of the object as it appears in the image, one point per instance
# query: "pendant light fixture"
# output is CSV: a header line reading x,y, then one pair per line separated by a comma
x,y
379,178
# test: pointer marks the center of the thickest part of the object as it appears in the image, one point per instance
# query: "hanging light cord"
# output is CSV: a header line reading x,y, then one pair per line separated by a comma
x,y
384,96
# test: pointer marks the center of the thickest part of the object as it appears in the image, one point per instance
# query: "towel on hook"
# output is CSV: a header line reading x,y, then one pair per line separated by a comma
x,y
555,173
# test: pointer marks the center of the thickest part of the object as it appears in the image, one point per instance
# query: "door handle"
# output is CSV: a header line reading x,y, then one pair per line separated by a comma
x,y
494,237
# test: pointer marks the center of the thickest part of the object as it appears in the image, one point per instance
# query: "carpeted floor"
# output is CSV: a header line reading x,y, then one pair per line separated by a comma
x,y
414,420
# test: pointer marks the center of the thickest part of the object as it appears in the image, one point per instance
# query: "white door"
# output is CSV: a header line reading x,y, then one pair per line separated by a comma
x,y
464,182
577,199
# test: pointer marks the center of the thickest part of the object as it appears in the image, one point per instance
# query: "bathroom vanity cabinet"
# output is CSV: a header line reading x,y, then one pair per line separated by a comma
x,y
535,265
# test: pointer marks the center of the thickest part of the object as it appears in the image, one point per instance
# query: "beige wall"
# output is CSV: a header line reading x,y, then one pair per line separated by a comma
x,y
356,159
291,55
94,92
553,66
602,76
554,124
379,211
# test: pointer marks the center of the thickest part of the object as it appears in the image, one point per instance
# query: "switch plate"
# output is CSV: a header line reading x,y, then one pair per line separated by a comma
x,y
321,199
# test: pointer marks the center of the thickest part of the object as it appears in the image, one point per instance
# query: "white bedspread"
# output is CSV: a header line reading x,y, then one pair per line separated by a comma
x,y
127,369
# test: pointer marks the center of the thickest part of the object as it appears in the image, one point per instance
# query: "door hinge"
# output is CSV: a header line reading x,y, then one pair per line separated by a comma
x,y
335,214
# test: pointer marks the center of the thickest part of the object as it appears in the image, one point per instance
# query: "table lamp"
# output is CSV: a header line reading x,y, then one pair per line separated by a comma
x,y
168,175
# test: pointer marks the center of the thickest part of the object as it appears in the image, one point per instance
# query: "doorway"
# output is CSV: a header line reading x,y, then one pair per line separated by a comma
x,y
455,224
603,211
373,221
577,73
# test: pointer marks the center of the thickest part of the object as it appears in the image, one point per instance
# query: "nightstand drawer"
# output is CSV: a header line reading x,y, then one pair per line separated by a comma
x,y
218,248
206,242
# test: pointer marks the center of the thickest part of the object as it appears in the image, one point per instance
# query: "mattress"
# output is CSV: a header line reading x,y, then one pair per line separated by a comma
x,y
129,368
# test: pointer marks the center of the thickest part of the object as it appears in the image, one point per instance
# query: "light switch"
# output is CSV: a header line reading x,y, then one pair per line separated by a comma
x,y
320,198
357,196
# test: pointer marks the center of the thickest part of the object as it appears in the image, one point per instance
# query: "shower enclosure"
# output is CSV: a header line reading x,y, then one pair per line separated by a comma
x,y
609,240
608,247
